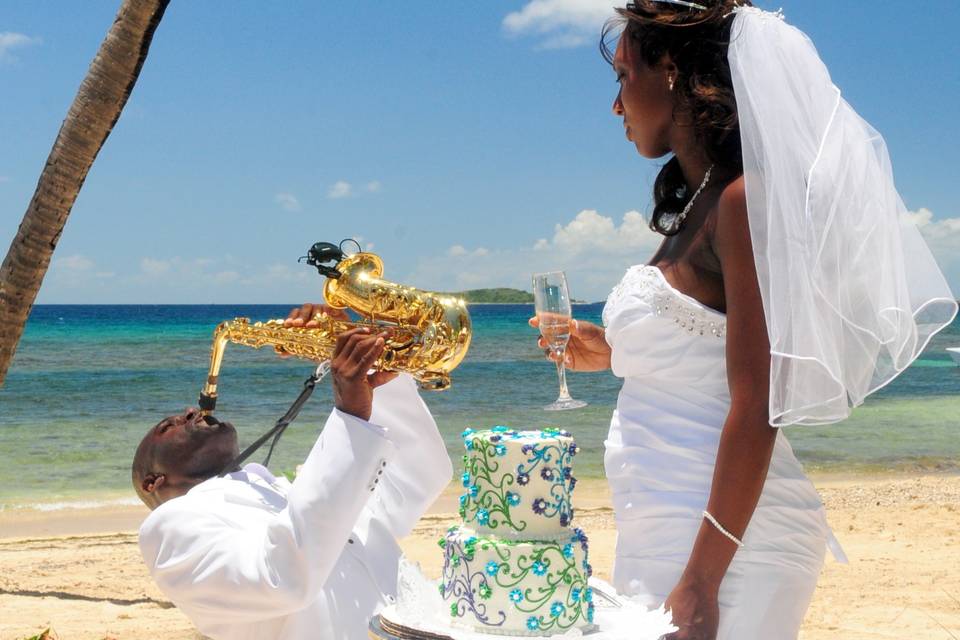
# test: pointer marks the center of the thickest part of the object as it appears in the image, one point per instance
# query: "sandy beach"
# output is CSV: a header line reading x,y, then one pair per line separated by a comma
x,y
79,572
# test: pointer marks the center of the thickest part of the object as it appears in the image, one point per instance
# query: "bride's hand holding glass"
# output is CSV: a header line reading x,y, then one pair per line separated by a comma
x,y
587,349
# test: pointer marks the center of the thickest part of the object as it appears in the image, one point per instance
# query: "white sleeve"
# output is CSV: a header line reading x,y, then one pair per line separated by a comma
x,y
218,573
420,469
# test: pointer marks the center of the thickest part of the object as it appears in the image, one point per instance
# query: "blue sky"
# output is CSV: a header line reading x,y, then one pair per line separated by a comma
x,y
468,143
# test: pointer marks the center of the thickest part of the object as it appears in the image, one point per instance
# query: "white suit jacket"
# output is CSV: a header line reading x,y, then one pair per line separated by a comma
x,y
249,556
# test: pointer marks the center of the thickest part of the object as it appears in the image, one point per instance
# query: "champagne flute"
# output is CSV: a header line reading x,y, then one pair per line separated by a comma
x,y
552,301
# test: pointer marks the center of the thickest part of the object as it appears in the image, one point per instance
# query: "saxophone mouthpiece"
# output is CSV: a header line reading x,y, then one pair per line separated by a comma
x,y
207,404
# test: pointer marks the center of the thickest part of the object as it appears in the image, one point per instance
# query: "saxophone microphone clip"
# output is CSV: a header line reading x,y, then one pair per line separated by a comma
x,y
322,253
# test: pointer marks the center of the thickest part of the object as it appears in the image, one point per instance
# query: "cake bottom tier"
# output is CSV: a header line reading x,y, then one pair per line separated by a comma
x,y
518,588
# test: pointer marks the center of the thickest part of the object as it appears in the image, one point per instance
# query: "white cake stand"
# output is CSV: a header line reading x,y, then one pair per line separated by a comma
x,y
418,615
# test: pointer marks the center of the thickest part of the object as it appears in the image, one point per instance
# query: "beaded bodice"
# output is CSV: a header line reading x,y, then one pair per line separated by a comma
x,y
655,331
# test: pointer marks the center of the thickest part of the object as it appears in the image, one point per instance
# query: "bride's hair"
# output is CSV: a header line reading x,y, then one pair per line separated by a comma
x,y
696,40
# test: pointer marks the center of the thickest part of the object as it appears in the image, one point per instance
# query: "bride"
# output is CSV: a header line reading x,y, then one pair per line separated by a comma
x,y
786,289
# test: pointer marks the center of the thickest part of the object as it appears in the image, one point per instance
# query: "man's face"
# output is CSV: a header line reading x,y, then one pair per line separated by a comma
x,y
191,445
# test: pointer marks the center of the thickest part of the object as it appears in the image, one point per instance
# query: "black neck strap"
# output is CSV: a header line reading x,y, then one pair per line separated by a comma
x,y
277,430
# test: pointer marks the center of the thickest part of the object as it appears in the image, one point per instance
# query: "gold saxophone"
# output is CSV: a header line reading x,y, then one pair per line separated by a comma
x,y
429,333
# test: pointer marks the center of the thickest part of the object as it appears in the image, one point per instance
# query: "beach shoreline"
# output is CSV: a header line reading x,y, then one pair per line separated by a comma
x,y
123,512
78,571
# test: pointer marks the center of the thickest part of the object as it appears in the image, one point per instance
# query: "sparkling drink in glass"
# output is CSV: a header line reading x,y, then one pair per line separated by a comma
x,y
552,301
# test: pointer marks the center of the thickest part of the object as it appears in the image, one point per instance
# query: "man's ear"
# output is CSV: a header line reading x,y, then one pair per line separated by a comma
x,y
152,481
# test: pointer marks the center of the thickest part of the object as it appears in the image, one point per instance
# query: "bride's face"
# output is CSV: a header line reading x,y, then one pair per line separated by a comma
x,y
645,101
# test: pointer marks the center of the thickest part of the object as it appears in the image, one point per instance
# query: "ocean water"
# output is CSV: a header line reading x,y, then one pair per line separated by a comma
x,y
88,380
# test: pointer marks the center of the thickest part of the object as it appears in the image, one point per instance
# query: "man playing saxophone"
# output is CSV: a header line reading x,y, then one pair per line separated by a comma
x,y
251,556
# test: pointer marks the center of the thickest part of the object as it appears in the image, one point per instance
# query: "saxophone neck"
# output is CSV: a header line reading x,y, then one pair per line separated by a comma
x,y
221,336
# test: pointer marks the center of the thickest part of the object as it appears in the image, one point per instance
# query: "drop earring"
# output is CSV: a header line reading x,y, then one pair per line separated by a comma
x,y
670,81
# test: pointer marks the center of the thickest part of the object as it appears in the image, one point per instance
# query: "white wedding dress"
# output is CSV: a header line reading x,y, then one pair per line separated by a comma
x,y
660,455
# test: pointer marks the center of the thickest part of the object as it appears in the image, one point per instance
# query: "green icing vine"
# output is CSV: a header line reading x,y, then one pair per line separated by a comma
x,y
566,596
489,507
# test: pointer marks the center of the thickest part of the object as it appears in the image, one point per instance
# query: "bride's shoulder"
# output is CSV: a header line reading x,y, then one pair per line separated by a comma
x,y
731,234
733,199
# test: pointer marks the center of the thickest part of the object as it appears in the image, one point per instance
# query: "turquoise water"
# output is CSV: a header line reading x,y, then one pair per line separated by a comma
x,y
87,381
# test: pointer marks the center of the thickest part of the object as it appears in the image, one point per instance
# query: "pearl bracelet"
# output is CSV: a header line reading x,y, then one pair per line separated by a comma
x,y
713,521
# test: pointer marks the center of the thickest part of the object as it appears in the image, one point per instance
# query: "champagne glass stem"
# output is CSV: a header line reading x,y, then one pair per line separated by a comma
x,y
562,375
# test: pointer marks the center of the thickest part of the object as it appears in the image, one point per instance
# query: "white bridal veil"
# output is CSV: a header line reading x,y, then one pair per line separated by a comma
x,y
850,290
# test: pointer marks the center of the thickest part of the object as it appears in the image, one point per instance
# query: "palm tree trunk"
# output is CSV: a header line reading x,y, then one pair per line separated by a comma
x,y
96,108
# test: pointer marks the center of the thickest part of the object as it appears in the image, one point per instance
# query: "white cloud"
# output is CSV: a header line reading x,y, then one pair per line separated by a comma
x,y
593,249
76,272
373,186
340,189
73,263
935,230
560,23
943,237
288,201
154,267
458,251
10,41
224,277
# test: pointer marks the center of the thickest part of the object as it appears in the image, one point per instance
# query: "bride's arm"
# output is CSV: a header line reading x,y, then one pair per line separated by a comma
x,y
747,440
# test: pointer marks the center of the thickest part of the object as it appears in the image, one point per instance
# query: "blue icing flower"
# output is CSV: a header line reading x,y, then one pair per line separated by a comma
x,y
588,595
469,442
516,596
513,498
564,519
573,483
483,516
522,478
495,438
500,429
575,594
466,432
492,568
568,551
525,449
590,613
463,500
567,473
547,473
539,568
573,449
501,450
474,490
557,609
532,623
465,479
539,506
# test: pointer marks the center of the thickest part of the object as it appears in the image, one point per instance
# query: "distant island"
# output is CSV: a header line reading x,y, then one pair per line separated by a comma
x,y
501,295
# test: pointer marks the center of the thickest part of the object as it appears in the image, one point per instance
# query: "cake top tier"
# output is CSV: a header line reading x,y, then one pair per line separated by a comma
x,y
518,484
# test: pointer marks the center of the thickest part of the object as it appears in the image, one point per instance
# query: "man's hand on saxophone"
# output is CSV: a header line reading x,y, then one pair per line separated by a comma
x,y
353,382
303,316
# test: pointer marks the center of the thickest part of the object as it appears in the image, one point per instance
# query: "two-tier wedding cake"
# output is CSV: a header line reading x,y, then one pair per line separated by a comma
x,y
516,566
